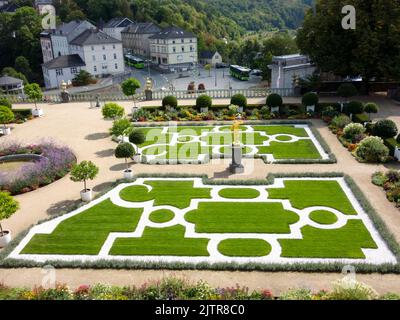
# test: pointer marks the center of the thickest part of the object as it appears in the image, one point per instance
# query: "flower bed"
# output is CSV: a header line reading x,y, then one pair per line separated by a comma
x,y
390,182
220,113
179,289
55,163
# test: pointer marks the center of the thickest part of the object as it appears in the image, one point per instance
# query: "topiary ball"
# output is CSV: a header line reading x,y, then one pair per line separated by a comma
x,y
170,101
203,101
239,100
274,100
310,99
137,137
385,129
347,90
355,107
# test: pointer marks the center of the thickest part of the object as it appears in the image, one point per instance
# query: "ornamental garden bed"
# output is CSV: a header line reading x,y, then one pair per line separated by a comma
x,y
41,164
390,182
282,223
279,143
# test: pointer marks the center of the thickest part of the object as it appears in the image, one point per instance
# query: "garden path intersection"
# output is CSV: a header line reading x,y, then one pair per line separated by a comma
x,y
378,253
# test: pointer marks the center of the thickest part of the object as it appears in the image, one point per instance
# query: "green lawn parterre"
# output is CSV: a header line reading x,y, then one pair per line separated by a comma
x,y
160,143
86,232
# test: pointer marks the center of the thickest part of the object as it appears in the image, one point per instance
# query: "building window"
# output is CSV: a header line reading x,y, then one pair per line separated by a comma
x,y
104,67
113,46
116,66
94,58
164,60
92,48
59,72
183,49
191,48
174,49
104,48
115,56
173,41
95,69
183,41
74,70
104,57
191,40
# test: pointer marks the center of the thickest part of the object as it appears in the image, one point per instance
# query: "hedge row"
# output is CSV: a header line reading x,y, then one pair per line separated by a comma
x,y
309,267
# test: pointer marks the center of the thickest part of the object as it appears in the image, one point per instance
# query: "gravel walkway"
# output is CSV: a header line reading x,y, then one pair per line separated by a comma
x,y
84,130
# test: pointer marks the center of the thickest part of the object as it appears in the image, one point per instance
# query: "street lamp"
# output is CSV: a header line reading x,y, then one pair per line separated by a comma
x,y
216,84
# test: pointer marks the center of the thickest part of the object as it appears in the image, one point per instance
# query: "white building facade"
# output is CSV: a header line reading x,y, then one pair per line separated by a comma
x,y
102,54
63,35
285,69
63,68
174,49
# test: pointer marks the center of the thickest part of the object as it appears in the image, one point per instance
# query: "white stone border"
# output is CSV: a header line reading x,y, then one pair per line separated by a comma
x,y
202,158
377,256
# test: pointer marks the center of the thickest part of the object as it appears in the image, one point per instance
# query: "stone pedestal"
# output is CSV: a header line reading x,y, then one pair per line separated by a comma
x,y
64,97
149,95
236,164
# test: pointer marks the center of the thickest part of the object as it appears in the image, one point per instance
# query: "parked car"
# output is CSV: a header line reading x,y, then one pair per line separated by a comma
x,y
256,72
221,65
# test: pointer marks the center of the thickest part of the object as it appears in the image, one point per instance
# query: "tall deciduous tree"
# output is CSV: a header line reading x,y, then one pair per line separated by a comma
x,y
371,50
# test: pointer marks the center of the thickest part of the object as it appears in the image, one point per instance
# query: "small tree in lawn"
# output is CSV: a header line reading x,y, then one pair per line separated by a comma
x,y
121,128
208,67
6,115
33,92
86,170
8,206
124,151
371,107
129,87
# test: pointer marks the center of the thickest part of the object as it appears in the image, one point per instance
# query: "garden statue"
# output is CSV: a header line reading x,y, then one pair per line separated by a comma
x,y
235,129
236,164
64,92
148,89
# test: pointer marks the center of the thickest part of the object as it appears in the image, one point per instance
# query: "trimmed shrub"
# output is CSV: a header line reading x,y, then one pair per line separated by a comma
x,y
203,101
373,150
121,127
340,121
355,107
347,90
274,100
170,101
310,99
379,179
5,102
6,115
239,100
125,150
353,129
112,111
385,129
352,290
371,107
137,137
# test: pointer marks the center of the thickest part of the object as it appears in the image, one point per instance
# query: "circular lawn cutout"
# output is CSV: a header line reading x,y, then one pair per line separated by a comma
x,y
283,138
161,216
244,248
323,217
239,193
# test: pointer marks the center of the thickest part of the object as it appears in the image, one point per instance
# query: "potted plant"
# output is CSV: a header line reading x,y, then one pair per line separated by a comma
x,y
346,91
8,206
137,137
34,93
6,116
274,102
125,150
309,101
203,103
129,87
120,129
86,170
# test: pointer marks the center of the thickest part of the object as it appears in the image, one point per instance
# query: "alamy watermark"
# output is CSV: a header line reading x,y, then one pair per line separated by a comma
x,y
349,20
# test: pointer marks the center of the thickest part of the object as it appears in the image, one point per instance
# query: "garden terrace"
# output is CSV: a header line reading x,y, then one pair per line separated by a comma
x,y
186,220
198,144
